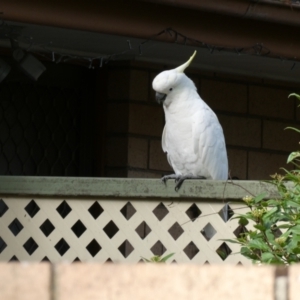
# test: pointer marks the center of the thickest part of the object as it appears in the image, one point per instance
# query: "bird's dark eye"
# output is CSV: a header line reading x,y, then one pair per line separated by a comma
x,y
170,89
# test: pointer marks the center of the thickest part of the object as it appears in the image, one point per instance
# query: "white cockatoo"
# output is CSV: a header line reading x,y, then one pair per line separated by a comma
x,y
192,137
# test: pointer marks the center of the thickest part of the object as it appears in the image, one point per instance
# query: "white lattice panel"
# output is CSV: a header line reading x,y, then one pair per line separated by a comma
x,y
117,230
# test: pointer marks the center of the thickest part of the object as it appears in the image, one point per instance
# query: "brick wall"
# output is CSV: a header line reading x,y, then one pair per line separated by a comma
x,y
252,111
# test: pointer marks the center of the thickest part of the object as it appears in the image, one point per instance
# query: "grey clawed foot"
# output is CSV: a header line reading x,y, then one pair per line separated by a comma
x,y
179,179
167,177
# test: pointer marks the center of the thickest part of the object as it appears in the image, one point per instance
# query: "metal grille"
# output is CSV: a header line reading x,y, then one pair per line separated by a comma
x,y
39,130
117,230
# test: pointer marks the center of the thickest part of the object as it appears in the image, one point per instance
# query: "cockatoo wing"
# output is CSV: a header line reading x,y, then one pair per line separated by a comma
x,y
163,140
164,145
209,143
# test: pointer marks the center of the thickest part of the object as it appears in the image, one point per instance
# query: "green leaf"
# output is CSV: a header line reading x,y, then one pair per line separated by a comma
x,y
292,128
267,257
291,246
145,259
272,202
248,216
290,176
248,253
166,257
269,213
259,198
294,95
284,226
292,259
292,203
243,221
270,235
295,229
260,227
296,250
258,244
231,241
293,156
255,234
155,258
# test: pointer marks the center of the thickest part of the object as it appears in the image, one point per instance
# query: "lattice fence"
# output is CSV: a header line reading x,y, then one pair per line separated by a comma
x,y
117,230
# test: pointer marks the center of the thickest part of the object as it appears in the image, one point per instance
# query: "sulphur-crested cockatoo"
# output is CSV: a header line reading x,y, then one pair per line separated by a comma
x,y
192,137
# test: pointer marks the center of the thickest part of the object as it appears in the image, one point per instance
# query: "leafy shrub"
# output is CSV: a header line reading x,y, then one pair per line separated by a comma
x,y
275,238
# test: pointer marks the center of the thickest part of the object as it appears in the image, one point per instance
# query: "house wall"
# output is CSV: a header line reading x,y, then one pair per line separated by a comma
x,y
119,134
253,113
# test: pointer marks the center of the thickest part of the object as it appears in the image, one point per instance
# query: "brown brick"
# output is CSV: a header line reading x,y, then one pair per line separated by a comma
x,y
164,282
116,172
293,86
117,117
270,102
240,131
262,165
275,137
143,174
237,160
152,92
146,119
137,152
139,85
199,72
158,159
224,95
118,84
238,77
25,281
116,152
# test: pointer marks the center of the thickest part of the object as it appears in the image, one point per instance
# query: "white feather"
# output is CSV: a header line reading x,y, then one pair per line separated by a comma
x,y
192,137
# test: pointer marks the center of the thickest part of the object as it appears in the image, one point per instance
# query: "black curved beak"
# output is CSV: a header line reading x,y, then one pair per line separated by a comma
x,y
160,97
